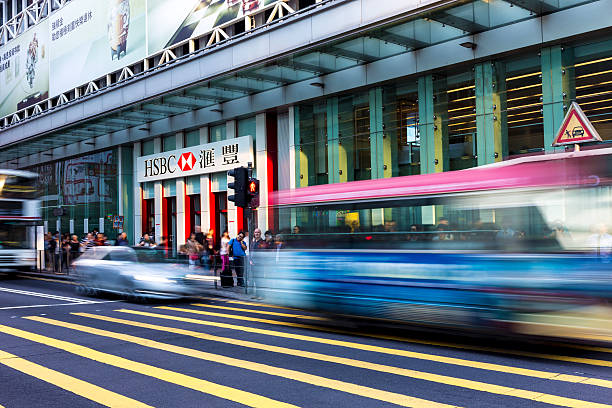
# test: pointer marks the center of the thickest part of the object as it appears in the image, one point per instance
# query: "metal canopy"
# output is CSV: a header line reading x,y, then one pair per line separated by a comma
x,y
382,42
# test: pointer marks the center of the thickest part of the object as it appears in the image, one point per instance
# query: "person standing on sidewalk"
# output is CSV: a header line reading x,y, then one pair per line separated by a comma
x,y
238,252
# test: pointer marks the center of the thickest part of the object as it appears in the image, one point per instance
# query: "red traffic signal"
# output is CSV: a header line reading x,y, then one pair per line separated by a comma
x,y
253,193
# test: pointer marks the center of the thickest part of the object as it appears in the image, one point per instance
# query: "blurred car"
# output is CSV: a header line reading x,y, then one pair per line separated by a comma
x,y
137,273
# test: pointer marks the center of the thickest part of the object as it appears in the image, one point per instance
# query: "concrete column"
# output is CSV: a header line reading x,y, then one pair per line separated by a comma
x,y
262,170
159,196
126,190
180,201
433,124
558,90
136,196
232,210
382,143
491,116
205,194
301,159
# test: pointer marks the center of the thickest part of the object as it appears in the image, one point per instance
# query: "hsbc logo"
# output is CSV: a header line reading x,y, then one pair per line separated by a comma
x,y
186,161
203,159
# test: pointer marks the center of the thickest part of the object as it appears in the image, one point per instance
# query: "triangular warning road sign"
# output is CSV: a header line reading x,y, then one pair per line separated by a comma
x,y
576,128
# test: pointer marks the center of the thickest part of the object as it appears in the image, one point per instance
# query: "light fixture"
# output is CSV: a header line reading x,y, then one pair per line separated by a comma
x,y
468,44
318,84
90,143
217,110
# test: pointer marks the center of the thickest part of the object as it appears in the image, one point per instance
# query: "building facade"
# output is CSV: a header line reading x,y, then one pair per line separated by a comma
x,y
309,93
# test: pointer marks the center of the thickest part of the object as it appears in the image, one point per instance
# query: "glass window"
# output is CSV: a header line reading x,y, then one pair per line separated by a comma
x,y
147,147
354,136
148,190
458,102
169,143
169,188
312,144
523,98
192,138
593,75
217,133
247,127
192,185
401,124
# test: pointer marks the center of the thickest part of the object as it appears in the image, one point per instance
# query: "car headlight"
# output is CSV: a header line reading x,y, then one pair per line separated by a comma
x,y
157,279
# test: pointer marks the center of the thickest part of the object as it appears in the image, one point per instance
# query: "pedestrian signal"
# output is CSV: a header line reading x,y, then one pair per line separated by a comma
x,y
253,193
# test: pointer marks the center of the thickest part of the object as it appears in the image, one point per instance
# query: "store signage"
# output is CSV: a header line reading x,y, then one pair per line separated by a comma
x,y
203,159
576,128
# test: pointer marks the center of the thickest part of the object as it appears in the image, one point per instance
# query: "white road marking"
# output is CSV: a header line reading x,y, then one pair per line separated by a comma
x,y
60,304
43,295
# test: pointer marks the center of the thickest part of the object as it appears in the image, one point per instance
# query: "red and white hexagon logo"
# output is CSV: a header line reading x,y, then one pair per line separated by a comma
x,y
186,161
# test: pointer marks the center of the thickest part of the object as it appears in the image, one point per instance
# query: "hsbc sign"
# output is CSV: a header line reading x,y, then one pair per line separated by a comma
x,y
208,158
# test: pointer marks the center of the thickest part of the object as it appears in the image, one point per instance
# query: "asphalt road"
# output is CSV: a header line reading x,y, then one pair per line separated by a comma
x,y
60,349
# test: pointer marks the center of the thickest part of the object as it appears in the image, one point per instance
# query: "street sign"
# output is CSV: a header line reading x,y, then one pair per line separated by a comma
x,y
576,128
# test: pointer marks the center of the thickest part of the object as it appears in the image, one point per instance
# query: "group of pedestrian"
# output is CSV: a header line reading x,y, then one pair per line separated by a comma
x,y
61,250
203,251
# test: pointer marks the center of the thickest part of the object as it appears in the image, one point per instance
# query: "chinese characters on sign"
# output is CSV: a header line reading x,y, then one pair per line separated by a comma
x,y
60,30
203,159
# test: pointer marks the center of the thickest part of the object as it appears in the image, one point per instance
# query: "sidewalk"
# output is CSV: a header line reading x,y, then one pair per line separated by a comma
x,y
236,292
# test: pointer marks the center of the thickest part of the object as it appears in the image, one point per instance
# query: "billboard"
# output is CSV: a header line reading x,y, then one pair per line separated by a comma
x,y
24,70
89,39
171,22
88,179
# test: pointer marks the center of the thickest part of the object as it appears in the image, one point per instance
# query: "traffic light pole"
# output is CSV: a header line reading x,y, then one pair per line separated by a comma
x,y
249,268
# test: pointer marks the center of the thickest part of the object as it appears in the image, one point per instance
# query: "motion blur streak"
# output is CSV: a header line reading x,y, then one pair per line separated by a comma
x,y
236,309
207,387
74,385
391,397
520,246
359,363
386,350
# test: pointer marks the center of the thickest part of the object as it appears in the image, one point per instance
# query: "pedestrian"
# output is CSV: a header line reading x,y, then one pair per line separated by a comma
x,y
147,241
237,249
269,236
210,249
224,254
258,242
122,240
297,229
75,249
193,250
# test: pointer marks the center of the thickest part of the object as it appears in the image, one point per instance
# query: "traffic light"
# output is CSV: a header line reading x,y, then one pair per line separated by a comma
x,y
253,193
240,186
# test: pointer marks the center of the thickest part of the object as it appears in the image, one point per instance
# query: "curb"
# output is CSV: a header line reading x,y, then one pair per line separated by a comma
x,y
230,294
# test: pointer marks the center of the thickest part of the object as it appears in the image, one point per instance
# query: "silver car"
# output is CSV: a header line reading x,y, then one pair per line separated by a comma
x,y
137,273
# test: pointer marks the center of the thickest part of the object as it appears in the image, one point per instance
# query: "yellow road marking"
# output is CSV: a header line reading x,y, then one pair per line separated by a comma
x,y
242,302
386,350
237,309
84,389
359,363
67,282
207,387
581,360
566,345
368,392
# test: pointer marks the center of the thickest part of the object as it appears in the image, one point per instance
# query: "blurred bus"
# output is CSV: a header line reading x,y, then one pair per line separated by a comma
x,y
19,215
522,245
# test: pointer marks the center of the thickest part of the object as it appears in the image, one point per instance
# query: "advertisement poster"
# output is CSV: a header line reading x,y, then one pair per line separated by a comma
x,y
88,179
89,39
171,22
24,70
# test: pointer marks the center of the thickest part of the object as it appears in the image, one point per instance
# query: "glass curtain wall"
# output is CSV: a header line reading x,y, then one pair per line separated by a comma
x,y
459,99
311,144
593,81
354,137
523,96
82,190
401,125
